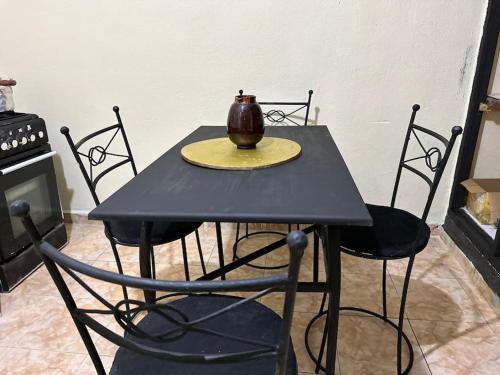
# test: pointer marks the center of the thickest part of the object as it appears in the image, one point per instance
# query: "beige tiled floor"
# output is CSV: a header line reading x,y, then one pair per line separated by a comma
x,y
452,323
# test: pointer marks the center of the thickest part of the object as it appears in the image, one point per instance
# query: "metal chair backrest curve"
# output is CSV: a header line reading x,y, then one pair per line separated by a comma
x,y
277,115
97,154
126,310
435,158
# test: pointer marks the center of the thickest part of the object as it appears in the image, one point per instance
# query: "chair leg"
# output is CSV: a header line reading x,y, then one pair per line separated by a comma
x,y
117,257
185,257
322,346
200,252
323,337
246,230
237,231
220,248
119,267
384,289
399,327
289,228
236,240
402,310
316,257
153,264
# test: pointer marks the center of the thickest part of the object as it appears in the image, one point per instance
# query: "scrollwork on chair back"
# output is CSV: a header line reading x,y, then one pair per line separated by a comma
x,y
286,113
96,155
435,157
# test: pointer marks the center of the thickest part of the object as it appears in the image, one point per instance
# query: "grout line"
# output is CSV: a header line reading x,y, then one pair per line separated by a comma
x,y
419,346
81,364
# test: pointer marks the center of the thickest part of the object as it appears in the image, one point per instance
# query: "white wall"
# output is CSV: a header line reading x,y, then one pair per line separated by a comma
x,y
174,65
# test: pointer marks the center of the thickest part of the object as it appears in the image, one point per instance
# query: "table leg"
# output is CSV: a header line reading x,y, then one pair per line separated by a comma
x,y
145,258
333,281
220,248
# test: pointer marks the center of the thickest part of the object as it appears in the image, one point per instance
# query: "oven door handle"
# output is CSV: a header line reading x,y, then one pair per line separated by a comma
x,y
25,163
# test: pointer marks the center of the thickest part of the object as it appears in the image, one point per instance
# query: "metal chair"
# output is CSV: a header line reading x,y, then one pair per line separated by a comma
x,y
396,234
126,233
201,333
275,114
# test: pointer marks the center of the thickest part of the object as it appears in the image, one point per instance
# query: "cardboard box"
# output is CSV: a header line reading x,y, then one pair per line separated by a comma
x,y
483,200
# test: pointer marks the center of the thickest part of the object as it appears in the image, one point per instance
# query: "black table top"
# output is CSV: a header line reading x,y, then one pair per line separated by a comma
x,y
316,188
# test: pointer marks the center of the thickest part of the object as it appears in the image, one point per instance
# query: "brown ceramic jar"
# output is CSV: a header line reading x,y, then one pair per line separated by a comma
x,y
245,123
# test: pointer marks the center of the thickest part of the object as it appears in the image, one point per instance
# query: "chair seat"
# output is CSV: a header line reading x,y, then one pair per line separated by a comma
x,y
395,234
251,321
129,232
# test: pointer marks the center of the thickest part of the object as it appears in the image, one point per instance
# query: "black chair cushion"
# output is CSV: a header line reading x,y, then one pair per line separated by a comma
x,y
395,234
129,232
251,321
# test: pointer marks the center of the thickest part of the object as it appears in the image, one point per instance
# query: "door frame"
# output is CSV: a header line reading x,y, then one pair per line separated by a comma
x,y
476,244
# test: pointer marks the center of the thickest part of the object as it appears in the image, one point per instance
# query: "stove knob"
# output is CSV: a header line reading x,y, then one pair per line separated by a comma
x,y
32,138
23,140
14,143
4,146
40,134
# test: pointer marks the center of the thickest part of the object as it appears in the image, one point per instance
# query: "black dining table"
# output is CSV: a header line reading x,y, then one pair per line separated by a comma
x,y
315,189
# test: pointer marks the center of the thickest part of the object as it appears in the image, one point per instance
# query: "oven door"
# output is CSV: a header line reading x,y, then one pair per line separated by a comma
x,y
33,180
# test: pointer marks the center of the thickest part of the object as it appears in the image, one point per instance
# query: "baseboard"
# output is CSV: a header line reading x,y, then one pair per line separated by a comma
x,y
486,268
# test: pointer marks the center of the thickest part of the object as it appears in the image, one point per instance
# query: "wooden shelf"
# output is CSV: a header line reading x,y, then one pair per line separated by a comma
x,y
490,104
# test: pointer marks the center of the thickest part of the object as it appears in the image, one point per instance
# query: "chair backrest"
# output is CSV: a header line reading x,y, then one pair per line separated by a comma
x,y
96,154
434,158
124,311
277,113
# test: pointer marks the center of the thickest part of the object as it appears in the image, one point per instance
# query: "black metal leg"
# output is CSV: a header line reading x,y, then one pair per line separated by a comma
x,y
246,230
185,258
289,228
145,258
402,311
118,265
399,327
333,279
315,257
323,337
220,248
200,252
153,263
236,240
384,289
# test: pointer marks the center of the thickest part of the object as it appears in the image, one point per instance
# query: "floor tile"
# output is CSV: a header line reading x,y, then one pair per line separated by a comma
x,y
86,242
300,322
24,361
367,345
464,348
87,367
19,313
52,329
438,299
365,291
427,265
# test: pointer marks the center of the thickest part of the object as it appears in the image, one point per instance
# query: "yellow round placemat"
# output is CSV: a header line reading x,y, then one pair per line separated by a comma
x,y
221,153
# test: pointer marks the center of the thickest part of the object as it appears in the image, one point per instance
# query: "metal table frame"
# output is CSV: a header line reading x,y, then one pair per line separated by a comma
x,y
328,211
